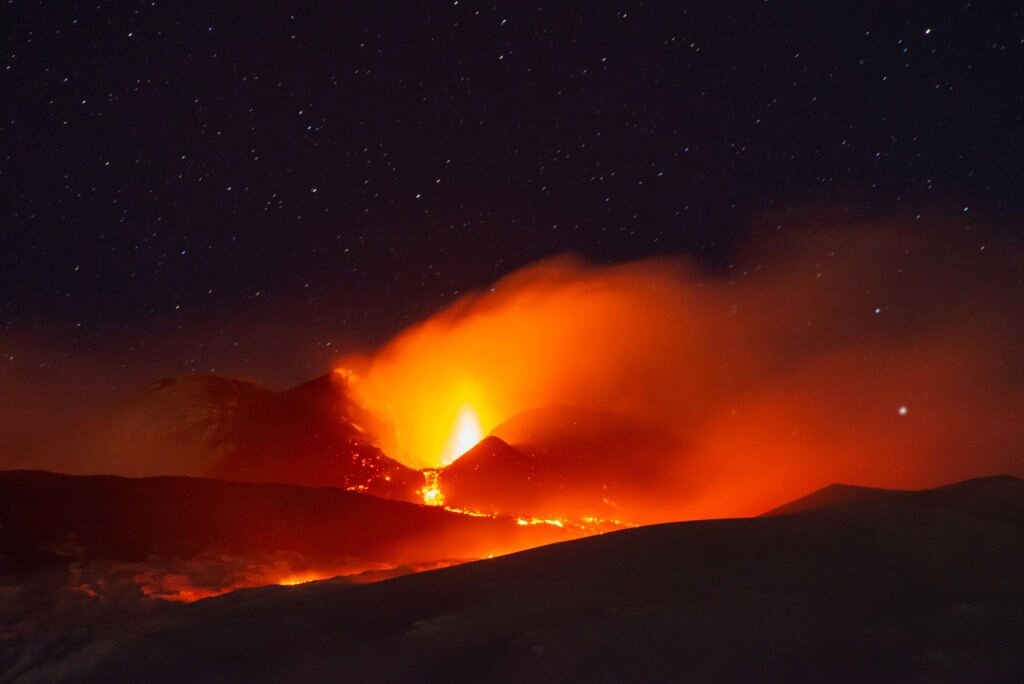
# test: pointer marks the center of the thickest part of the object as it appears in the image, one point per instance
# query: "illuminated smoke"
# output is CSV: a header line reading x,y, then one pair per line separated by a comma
x,y
876,355
465,433
867,355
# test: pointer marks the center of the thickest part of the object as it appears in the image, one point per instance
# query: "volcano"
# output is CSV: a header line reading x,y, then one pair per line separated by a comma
x,y
555,462
208,426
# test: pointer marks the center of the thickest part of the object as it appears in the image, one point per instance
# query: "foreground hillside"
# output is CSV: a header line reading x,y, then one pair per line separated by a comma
x,y
184,538
851,588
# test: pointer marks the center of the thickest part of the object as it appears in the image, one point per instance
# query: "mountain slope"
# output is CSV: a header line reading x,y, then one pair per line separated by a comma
x,y
208,426
869,591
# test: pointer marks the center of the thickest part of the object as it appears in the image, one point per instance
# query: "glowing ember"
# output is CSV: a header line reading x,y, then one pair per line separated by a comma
x,y
295,580
431,490
465,434
539,521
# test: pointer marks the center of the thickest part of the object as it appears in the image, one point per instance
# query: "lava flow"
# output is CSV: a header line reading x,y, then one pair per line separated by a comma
x,y
465,436
431,490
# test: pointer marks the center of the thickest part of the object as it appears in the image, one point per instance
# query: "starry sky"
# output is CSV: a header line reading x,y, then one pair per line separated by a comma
x,y
197,186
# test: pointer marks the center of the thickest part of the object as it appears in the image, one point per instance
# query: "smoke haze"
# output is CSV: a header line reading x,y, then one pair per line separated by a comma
x,y
875,355
872,354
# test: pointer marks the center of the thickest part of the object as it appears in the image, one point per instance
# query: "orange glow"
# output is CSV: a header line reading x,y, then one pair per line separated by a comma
x,y
880,355
547,335
294,580
437,416
466,432
757,385
189,586
431,490
540,521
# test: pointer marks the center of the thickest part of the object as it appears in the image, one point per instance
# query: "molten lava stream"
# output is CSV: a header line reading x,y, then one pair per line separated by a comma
x,y
431,490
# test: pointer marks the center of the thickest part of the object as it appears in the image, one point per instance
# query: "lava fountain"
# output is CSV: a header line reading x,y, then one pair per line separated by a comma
x,y
466,432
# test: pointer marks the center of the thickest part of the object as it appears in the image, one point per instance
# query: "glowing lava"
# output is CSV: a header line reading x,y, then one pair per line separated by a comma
x,y
295,580
465,434
431,490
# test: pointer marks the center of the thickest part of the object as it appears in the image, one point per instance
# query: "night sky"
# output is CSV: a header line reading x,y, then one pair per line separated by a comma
x,y
210,186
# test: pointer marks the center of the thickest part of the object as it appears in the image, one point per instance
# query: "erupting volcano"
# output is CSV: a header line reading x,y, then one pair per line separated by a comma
x,y
567,401
519,342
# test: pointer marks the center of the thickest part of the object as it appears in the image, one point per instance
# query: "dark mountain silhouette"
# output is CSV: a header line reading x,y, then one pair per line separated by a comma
x,y
862,588
1000,497
208,426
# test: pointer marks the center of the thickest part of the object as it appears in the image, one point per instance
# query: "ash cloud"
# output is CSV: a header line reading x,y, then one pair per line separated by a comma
x,y
879,355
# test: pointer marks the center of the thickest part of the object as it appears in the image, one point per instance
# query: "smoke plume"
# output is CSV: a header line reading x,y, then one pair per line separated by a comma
x,y
874,355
